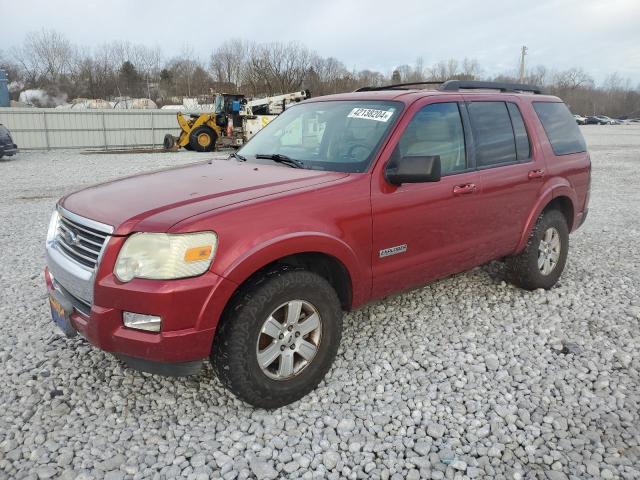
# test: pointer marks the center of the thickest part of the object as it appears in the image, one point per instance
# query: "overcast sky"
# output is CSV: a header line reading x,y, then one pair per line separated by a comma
x,y
601,36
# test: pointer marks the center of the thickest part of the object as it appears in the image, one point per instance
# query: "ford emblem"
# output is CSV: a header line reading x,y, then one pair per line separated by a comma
x,y
71,237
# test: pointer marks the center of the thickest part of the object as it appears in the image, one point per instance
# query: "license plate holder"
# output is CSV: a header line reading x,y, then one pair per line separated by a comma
x,y
61,310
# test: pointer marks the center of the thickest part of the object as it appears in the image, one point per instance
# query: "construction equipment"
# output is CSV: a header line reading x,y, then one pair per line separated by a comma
x,y
4,90
233,121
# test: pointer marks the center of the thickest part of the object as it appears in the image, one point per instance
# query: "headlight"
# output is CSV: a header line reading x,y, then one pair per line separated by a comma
x,y
53,226
162,256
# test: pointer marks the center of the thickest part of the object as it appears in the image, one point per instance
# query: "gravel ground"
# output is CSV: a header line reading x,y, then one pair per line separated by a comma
x,y
466,378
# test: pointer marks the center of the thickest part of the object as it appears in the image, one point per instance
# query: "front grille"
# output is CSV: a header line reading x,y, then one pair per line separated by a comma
x,y
79,242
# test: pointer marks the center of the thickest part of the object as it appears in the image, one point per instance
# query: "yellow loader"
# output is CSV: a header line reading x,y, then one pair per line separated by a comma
x,y
203,131
232,123
199,133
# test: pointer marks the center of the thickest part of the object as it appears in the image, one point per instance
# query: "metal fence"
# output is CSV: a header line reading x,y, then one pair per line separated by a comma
x,y
47,128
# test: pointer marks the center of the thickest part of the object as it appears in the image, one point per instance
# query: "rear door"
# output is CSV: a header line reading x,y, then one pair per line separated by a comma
x,y
510,169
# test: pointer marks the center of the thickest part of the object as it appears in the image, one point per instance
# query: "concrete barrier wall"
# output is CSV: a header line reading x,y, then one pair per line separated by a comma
x,y
48,128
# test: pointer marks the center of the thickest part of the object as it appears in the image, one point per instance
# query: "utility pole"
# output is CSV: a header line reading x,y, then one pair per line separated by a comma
x,y
522,55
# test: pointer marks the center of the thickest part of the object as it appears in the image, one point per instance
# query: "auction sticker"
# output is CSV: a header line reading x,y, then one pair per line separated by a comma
x,y
371,114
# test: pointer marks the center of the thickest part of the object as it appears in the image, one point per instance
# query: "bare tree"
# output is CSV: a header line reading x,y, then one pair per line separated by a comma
x,y
470,69
536,76
369,78
228,61
444,70
287,65
327,75
254,74
572,79
47,60
188,63
45,56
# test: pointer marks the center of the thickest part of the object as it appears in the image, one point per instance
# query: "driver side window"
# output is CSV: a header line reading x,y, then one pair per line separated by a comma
x,y
304,132
292,134
436,130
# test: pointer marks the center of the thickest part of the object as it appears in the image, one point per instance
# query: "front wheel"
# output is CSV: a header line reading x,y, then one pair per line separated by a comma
x,y
542,261
278,338
203,139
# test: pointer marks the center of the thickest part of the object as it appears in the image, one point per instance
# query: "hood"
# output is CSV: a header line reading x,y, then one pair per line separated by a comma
x,y
154,202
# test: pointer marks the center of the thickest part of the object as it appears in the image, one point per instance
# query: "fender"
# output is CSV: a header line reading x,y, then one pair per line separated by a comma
x,y
557,187
566,190
273,249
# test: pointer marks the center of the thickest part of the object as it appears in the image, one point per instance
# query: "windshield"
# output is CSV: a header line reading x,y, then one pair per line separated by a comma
x,y
341,136
218,103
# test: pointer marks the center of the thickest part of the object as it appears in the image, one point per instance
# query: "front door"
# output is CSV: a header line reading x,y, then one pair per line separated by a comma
x,y
423,231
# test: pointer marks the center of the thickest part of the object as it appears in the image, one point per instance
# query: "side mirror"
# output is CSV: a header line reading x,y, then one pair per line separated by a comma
x,y
413,169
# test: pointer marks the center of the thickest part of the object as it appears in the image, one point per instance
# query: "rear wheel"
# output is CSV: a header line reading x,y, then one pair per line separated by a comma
x,y
542,261
279,338
169,142
203,139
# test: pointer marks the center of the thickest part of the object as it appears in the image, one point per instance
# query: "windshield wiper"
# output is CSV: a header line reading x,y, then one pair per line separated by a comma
x,y
277,157
238,156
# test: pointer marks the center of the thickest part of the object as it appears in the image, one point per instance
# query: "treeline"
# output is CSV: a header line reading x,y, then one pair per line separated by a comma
x,y
48,60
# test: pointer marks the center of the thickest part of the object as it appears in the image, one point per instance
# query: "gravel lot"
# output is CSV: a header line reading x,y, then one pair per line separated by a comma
x,y
466,378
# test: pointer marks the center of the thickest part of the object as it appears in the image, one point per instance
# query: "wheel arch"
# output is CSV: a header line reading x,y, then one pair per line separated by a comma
x,y
326,265
560,197
322,253
563,204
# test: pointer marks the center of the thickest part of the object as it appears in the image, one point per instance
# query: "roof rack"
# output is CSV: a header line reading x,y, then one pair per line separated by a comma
x,y
395,85
455,85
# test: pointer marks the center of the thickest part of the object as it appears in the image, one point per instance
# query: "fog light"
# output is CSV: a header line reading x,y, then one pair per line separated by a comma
x,y
142,322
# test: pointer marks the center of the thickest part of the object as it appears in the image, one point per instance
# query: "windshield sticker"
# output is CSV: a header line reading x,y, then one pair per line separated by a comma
x,y
371,114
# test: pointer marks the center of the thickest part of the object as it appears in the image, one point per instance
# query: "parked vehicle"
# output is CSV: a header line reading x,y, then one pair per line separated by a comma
x,y
7,147
596,120
250,261
609,120
580,120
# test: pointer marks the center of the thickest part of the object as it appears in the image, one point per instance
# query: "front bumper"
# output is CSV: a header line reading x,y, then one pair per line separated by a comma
x,y
8,150
189,308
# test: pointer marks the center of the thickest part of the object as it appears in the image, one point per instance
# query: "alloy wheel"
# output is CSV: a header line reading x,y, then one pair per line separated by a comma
x,y
549,251
289,339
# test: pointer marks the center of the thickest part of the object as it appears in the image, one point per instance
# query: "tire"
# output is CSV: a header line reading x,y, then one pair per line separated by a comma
x,y
169,142
235,349
199,136
523,270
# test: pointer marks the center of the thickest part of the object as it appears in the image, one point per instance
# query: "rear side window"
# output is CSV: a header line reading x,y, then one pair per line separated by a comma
x,y
492,133
560,127
520,132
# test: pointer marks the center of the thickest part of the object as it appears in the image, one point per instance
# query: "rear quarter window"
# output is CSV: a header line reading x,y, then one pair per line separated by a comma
x,y
560,127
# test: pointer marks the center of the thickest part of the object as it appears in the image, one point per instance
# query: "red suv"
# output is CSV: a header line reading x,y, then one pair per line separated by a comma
x,y
249,261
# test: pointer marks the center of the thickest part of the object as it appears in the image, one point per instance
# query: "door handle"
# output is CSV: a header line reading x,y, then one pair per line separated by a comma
x,y
536,173
464,189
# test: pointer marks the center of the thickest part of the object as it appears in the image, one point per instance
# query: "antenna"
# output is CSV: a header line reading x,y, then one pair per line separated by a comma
x,y
522,55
